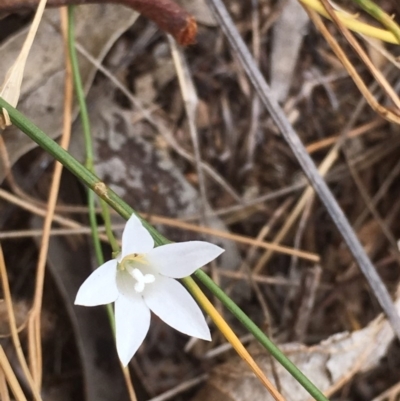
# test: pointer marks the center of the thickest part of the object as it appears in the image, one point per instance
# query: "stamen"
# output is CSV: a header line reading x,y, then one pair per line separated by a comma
x,y
148,278
141,279
139,287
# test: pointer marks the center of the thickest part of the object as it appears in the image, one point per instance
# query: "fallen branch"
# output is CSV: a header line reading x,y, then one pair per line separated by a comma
x,y
169,16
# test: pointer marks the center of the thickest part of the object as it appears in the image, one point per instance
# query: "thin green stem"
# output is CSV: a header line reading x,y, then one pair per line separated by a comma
x,y
80,94
84,115
107,222
90,180
94,229
86,130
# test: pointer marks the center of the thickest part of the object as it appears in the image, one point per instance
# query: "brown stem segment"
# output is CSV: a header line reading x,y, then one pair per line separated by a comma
x,y
166,14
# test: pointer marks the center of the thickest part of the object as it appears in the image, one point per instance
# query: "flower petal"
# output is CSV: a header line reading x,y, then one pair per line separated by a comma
x,y
183,258
100,287
132,322
171,302
135,238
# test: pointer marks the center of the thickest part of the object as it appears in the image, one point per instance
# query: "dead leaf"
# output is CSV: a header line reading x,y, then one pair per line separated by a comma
x,y
42,91
288,34
11,88
329,365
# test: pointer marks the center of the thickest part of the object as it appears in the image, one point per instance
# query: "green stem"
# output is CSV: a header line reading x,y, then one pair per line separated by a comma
x,y
94,228
86,131
84,115
80,94
108,224
90,180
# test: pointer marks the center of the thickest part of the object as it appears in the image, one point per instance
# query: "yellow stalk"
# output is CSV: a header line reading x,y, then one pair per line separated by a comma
x,y
230,335
352,23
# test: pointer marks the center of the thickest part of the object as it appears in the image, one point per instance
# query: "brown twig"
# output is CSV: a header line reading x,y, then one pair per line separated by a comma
x,y
169,16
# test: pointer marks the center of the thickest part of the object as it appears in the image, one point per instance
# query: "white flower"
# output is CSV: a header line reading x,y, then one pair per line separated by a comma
x,y
141,279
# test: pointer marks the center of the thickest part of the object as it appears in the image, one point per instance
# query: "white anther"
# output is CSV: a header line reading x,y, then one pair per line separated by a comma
x,y
141,279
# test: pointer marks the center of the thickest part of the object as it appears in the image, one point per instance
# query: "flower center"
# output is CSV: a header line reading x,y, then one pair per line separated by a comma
x,y
128,263
135,257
